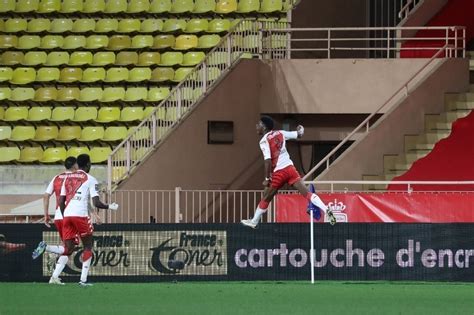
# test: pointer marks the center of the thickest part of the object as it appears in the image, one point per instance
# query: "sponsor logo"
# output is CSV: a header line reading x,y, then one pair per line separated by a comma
x,y
337,209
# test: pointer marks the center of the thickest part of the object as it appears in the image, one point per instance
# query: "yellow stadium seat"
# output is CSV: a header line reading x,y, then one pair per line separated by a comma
x,y
160,6
57,58
157,94
7,6
8,41
143,134
119,42
30,154
270,6
135,94
52,42
115,133
84,114
181,73
11,58
103,58
5,132
71,6
14,113
68,133
108,114
248,6
74,42
204,6
151,25
174,25
22,133
80,58
39,25
6,74
28,42
90,94
131,114
125,58
160,113
2,110
15,25
116,75
115,6
69,75
68,94
219,26
182,6
171,58
162,74
61,25
197,26
83,25
62,113
46,133
47,74
185,42
54,155
93,75
91,133
208,41
129,25
163,41
5,94
37,113
100,154
139,75
142,41
48,6
93,6
45,94
76,151
9,154
226,6
138,6
22,94
193,58
113,94
106,25
23,75
33,58
23,6
97,41
148,59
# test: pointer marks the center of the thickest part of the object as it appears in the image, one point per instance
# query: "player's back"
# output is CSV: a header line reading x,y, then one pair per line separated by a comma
x,y
275,142
78,188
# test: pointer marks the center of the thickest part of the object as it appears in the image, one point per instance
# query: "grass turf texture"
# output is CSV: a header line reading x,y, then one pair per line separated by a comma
x,y
227,298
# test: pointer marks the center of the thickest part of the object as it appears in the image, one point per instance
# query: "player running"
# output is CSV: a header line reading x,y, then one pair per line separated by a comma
x,y
54,187
279,169
76,191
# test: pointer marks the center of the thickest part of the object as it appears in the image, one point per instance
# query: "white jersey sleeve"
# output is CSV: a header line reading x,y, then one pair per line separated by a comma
x,y
289,135
50,188
265,147
93,187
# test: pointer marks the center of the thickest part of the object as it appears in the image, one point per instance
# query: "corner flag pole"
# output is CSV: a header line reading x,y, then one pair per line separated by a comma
x,y
311,251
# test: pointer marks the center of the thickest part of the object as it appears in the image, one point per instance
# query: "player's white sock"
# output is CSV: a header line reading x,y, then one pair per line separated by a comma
x,y
56,249
315,200
85,269
258,214
60,264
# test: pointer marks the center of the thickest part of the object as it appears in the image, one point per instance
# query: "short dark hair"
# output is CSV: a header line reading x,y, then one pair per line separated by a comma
x,y
267,122
83,160
69,162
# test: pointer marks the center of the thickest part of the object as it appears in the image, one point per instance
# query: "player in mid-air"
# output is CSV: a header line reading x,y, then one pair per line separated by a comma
x,y
279,169
54,187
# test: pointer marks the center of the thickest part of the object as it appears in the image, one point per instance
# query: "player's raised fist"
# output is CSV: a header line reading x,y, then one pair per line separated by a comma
x,y
300,130
113,206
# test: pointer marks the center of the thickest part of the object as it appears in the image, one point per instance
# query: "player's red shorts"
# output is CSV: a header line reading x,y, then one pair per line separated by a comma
x,y
73,226
59,226
288,175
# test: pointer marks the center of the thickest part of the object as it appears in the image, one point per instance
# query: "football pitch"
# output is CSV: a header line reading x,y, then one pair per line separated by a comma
x,y
294,298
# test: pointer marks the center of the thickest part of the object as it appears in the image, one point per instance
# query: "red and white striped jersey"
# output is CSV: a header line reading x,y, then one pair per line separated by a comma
x,y
273,146
79,187
55,187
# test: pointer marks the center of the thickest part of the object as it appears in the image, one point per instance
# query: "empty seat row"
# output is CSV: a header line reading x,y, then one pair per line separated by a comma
x,y
140,6
104,114
58,26
52,154
101,58
115,42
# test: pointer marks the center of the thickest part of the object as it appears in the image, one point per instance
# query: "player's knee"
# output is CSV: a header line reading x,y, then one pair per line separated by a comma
x,y
263,204
86,254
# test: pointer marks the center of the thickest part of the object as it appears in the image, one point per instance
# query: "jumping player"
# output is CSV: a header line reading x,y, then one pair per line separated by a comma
x,y
279,169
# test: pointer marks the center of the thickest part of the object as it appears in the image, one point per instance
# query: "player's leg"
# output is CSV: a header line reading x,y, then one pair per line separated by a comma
x,y
62,260
314,199
85,230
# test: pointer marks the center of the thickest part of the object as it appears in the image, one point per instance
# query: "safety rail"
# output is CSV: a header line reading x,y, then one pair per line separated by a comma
x,y
20,218
407,8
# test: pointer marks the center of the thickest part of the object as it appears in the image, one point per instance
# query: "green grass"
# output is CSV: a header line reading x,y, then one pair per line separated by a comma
x,y
226,298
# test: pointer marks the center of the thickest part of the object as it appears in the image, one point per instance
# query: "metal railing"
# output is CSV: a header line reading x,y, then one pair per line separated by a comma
x,y
407,8
20,218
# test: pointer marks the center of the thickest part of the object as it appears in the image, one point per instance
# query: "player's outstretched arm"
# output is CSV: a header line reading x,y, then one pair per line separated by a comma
x,y
62,203
99,204
47,219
